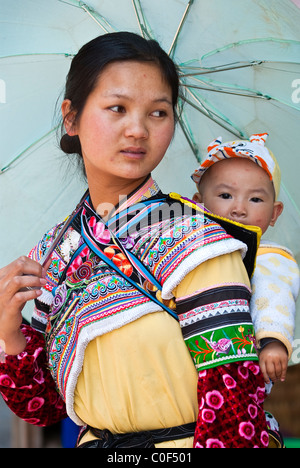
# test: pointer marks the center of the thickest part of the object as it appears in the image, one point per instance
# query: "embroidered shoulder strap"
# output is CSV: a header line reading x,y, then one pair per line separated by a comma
x,y
138,267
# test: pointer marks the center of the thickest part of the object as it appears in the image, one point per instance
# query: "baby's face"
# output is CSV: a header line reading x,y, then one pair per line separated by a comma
x,y
239,190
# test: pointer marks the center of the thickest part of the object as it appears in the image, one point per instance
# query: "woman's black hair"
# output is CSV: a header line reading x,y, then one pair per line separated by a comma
x,y
91,60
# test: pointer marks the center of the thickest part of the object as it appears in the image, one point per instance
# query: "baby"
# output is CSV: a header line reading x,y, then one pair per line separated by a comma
x,y
240,181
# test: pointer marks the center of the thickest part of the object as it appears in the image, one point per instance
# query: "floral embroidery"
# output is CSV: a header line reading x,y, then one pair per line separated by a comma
x,y
246,429
35,404
214,443
208,415
230,413
229,381
223,345
6,381
243,372
119,260
214,399
252,410
45,407
265,438
99,231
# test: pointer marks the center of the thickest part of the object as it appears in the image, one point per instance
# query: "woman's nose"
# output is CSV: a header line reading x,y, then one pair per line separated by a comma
x,y
136,127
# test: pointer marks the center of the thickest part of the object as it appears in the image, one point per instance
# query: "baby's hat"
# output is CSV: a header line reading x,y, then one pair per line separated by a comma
x,y
253,149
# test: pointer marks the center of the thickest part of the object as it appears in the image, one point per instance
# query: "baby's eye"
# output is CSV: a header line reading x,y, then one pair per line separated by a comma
x,y
225,196
256,200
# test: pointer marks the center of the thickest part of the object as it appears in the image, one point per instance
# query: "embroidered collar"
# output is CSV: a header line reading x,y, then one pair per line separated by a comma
x,y
146,190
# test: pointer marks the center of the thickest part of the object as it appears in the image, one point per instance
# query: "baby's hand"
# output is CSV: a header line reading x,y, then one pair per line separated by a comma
x,y
273,361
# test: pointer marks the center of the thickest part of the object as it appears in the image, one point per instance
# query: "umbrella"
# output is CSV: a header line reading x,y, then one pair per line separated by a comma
x,y
239,67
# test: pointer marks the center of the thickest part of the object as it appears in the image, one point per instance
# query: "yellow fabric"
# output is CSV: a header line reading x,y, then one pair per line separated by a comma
x,y
141,376
217,271
277,250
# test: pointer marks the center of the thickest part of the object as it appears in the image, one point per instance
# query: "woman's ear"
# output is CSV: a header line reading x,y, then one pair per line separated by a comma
x,y
277,210
69,117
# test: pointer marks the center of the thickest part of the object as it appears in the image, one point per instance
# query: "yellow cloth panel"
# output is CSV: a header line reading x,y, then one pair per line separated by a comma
x,y
141,376
218,271
277,250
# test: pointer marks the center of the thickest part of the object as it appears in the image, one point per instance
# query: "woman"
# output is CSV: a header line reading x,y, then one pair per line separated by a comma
x,y
106,282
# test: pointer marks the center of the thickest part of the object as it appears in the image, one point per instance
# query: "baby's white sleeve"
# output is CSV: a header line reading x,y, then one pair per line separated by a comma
x,y
275,287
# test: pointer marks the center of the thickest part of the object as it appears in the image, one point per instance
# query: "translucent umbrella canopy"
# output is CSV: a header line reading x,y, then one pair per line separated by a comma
x,y
240,71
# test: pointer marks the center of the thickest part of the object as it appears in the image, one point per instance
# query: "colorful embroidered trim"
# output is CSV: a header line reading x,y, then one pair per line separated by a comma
x,y
217,326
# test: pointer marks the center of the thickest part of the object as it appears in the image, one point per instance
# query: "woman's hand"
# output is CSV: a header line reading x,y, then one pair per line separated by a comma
x,y
20,281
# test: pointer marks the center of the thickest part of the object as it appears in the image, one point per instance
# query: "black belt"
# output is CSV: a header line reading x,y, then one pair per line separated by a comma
x,y
145,439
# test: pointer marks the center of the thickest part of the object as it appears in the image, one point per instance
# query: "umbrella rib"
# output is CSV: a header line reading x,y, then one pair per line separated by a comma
x,y
249,41
226,67
141,19
189,138
256,94
91,12
93,18
137,17
36,54
70,4
185,14
229,67
8,165
237,91
222,121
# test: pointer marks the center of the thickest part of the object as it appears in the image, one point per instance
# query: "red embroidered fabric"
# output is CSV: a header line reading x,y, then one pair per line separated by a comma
x,y
27,386
231,413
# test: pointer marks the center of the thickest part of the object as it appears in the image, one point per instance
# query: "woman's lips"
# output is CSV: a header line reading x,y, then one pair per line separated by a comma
x,y
134,152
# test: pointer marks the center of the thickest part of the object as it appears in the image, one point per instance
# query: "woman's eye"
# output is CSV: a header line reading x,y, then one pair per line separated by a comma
x,y
225,196
118,109
159,113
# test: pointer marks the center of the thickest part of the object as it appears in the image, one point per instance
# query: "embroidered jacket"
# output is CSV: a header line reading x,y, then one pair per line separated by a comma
x,y
93,288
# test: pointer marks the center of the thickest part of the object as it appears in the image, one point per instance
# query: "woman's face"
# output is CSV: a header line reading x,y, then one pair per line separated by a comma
x,y
127,123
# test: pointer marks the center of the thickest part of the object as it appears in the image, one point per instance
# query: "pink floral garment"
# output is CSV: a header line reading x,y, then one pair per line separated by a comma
x,y
37,403
231,411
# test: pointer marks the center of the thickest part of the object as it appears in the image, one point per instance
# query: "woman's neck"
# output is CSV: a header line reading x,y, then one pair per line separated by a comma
x,y
105,195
